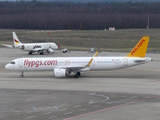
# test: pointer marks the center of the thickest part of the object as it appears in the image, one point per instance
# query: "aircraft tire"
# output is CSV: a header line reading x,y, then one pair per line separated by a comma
x,y
77,75
21,76
41,53
30,53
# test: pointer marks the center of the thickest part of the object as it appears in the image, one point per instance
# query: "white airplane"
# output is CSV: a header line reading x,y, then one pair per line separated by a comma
x,y
63,66
32,47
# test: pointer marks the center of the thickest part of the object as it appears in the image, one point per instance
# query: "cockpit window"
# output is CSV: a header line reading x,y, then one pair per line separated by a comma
x,y
12,62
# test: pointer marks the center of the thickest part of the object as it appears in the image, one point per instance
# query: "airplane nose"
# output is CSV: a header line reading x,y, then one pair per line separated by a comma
x,y
7,66
56,46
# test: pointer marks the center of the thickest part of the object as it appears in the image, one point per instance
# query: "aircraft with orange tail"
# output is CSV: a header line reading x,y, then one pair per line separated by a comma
x,y
64,66
32,47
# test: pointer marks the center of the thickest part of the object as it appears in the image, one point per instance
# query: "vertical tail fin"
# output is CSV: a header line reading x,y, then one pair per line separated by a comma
x,y
58,46
140,49
16,40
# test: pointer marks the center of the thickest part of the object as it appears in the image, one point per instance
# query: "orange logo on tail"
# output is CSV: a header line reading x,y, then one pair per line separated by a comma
x,y
137,46
16,41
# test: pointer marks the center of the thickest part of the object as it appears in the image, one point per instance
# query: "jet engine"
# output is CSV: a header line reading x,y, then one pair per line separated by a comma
x,y
22,47
60,72
50,50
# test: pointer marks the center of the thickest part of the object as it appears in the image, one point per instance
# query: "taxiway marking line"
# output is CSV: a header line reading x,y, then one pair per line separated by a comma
x,y
67,113
96,106
100,110
91,103
77,106
47,113
52,117
31,117
107,98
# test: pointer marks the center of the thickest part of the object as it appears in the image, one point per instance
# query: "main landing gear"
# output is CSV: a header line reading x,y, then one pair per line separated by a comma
x,y
21,76
41,53
30,53
77,75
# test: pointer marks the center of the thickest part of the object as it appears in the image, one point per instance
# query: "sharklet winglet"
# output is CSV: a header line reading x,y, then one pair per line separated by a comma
x,y
95,55
89,63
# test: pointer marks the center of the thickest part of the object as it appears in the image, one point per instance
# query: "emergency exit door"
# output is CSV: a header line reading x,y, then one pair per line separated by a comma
x,y
125,61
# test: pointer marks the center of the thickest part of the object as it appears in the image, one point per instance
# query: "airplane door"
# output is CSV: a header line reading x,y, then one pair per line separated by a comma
x,y
125,61
21,64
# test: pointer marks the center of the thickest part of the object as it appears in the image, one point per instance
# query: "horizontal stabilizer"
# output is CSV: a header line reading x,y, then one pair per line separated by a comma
x,y
7,46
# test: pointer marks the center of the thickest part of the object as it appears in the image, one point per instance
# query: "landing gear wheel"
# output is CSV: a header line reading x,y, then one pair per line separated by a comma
x,y
77,75
21,76
41,53
30,53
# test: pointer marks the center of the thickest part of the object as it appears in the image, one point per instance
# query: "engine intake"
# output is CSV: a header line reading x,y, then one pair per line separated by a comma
x,y
22,47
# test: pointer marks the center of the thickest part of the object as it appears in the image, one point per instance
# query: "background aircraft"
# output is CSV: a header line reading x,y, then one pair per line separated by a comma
x,y
32,47
63,66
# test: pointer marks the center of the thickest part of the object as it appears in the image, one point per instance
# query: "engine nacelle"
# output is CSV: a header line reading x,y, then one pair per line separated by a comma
x,y
22,47
50,50
60,72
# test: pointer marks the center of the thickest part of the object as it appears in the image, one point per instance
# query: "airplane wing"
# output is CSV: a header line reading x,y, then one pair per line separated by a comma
x,y
72,68
7,46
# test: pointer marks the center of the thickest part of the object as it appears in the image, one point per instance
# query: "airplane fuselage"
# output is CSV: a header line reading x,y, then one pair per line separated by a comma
x,y
98,63
34,47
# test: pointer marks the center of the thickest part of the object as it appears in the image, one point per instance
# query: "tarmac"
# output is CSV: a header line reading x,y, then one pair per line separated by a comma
x,y
125,94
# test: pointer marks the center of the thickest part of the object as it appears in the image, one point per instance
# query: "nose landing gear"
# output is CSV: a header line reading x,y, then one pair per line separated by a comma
x,y
21,76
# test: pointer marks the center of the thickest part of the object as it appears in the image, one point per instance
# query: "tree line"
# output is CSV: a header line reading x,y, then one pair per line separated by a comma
x,y
68,15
